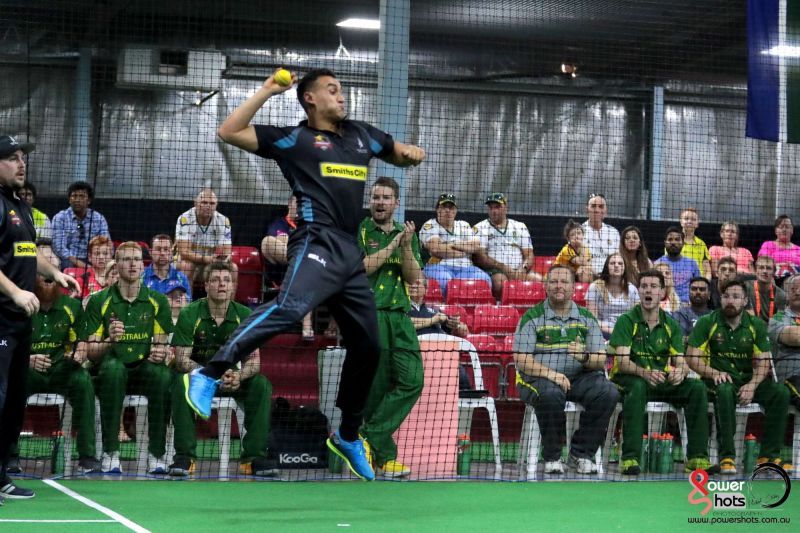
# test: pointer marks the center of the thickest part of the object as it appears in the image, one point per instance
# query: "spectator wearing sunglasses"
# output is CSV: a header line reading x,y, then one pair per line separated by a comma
x,y
602,239
75,226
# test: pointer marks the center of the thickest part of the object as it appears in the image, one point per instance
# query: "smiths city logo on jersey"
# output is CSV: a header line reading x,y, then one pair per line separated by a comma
x,y
24,249
348,172
322,142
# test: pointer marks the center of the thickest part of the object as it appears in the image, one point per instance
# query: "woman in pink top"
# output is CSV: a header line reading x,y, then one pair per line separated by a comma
x,y
785,254
729,233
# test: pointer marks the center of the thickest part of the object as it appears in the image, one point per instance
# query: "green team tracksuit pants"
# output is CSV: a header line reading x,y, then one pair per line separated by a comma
x,y
114,380
397,384
254,396
690,394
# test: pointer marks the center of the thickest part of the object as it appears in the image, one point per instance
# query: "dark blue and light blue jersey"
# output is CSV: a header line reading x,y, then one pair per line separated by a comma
x,y
326,171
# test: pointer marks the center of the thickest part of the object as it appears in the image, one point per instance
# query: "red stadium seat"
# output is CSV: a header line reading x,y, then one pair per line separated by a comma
x,y
523,293
290,363
469,292
250,281
483,343
542,263
580,294
491,376
495,319
433,295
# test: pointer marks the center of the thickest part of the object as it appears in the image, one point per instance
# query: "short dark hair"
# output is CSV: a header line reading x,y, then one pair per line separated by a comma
x,y
732,283
699,279
215,266
307,82
160,237
673,229
81,186
652,273
778,220
29,186
727,259
557,266
386,181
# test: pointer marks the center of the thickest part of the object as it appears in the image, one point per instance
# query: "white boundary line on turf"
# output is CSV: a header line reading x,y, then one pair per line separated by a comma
x,y
15,520
94,505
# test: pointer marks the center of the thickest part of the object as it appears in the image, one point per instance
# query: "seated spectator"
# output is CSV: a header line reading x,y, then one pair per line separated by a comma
x,y
76,226
429,320
202,328
111,273
729,233
699,295
202,237
575,254
784,334
764,298
601,239
506,250
730,351
56,365
611,295
782,250
634,253
693,246
91,277
161,275
670,303
651,367
127,327
44,228
726,271
683,268
273,248
559,354
451,244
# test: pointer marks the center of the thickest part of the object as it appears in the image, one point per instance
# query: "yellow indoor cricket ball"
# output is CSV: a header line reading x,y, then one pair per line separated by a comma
x,y
283,77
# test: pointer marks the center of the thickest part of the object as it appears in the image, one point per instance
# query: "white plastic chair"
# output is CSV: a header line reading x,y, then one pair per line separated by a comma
x,y
225,407
65,413
531,440
795,441
139,404
466,406
742,412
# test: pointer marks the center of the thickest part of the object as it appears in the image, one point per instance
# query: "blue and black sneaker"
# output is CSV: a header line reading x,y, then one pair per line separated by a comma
x,y
353,454
200,390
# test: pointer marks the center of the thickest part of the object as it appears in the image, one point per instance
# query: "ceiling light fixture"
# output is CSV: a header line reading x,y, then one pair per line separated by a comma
x,y
360,24
783,51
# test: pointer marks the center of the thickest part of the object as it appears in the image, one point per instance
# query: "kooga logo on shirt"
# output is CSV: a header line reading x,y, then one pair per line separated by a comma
x,y
295,458
350,172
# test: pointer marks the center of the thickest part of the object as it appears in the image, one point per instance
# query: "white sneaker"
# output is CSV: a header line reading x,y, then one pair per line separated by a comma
x,y
156,465
582,465
554,467
110,463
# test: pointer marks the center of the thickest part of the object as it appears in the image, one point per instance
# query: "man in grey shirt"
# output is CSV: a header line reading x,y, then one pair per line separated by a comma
x,y
784,334
699,295
560,353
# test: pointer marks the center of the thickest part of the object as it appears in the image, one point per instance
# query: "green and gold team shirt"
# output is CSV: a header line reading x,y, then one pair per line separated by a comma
x,y
650,348
547,336
149,314
55,330
198,329
730,350
391,293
